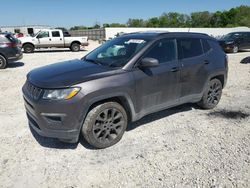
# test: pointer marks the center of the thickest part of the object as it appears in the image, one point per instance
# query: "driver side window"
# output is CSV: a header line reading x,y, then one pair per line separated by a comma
x,y
44,34
164,51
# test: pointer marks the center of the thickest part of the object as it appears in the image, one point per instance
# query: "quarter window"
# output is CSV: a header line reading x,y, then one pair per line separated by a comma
x,y
163,51
188,48
206,46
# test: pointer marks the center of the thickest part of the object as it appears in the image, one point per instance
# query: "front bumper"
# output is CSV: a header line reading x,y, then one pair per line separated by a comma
x,y
55,119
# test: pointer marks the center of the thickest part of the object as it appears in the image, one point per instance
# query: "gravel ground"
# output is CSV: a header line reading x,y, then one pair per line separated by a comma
x,y
179,147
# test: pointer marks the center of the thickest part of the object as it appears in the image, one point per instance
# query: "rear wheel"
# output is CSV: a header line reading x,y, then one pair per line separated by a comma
x,y
212,94
28,48
75,47
3,62
105,125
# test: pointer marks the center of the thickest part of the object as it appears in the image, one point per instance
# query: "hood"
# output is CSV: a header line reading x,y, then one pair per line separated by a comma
x,y
68,73
26,39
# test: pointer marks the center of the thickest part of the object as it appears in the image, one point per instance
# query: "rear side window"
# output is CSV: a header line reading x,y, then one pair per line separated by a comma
x,y
55,34
188,48
163,51
206,46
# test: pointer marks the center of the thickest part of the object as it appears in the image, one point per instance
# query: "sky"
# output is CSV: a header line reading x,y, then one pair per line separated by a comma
x,y
68,13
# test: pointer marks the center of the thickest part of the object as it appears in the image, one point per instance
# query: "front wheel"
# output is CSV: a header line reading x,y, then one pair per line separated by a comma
x,y
212,94
3,62
105,125
28,48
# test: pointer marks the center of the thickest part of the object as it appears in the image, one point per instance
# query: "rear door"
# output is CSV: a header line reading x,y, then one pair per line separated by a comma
x,y
195,66
57,39
158,87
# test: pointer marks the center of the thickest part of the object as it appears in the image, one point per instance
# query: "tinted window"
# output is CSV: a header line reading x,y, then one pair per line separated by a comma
x,y
55,34
206,46
163,51
189,48
246,35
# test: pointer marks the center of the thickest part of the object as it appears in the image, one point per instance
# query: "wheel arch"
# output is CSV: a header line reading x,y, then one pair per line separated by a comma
x,y
124,101
220,77
28,43
75,41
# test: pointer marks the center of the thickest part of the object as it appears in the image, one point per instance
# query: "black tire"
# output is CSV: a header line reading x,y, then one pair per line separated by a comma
x,y
212,94
3,62
105,125
28,48
75,47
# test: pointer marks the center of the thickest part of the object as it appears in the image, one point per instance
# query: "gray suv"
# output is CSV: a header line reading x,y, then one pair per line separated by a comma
x,y
120,82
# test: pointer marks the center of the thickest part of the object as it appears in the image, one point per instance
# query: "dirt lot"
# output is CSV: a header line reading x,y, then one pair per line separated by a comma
x,y
179,147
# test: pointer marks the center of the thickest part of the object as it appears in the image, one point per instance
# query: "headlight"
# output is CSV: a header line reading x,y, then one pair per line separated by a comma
x,y
61,93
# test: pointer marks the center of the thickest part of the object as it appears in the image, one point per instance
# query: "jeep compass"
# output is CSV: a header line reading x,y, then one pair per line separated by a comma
x,y
120,82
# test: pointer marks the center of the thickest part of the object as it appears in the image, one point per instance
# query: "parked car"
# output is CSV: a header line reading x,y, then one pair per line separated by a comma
x,y
101,93
9,49
52,38
236,41
19,35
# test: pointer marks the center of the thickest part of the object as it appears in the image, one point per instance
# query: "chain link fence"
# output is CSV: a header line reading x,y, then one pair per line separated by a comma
x,y
92,34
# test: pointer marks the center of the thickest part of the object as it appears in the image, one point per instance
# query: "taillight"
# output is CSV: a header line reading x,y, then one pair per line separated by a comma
x,y
9,44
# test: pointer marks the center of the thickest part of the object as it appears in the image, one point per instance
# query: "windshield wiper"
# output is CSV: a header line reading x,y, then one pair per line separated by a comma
x,y
93,61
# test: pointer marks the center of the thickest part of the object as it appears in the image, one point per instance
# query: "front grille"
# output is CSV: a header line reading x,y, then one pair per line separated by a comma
x,y
33,91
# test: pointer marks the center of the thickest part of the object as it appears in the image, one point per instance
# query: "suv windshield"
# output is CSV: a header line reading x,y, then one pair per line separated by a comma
x,y
117,52
231,36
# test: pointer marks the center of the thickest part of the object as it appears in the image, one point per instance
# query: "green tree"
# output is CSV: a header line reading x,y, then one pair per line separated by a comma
x,y
136,23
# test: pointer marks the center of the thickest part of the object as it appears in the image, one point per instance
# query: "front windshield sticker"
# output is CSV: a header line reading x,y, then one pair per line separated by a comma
x,y
136,41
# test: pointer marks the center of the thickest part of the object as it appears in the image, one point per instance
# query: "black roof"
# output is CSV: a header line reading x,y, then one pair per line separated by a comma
x,y
154,34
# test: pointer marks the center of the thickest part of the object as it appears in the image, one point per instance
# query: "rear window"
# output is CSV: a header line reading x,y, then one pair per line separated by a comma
x,y
11,38
206,46
188,48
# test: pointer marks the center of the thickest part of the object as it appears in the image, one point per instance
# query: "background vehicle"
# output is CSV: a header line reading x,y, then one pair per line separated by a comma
x,y
236,41
9,50
122,81
52,38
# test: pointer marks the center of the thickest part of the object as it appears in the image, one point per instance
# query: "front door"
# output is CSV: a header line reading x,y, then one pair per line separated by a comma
x,y
44,39
158,87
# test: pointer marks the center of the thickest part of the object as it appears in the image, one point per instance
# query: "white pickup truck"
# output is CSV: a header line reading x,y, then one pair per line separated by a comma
x,y
52,38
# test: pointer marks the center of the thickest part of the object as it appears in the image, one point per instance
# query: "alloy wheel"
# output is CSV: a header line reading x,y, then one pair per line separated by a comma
x,y
108,125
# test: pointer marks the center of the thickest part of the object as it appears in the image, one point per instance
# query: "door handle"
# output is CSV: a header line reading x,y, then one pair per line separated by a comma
x,y
49,39
175,69
206,62
60,39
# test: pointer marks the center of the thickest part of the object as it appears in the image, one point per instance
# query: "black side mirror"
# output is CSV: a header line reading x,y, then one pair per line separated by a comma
x,y
149,62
